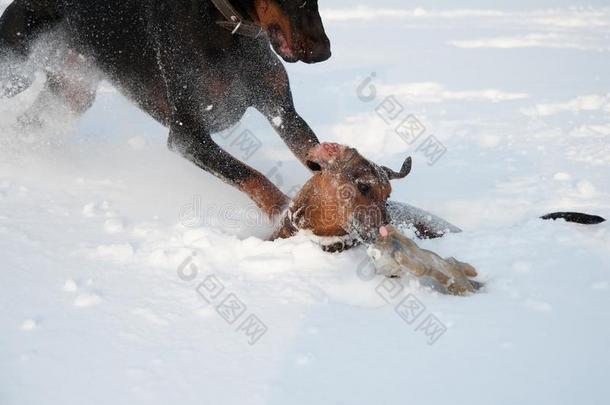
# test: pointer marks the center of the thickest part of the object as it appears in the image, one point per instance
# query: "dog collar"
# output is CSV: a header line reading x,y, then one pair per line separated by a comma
x,y
235,22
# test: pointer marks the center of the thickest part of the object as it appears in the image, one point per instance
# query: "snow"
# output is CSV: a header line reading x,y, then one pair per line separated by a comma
x,y
100,304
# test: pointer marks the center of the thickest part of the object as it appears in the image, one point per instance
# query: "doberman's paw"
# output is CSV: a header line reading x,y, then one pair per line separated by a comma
x,y
324,155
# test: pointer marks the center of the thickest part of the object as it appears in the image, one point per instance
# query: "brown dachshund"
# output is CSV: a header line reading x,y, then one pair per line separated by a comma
x,y
344,203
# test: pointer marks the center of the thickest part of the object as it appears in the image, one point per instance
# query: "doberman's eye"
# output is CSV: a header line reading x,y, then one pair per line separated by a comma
x,y
364,188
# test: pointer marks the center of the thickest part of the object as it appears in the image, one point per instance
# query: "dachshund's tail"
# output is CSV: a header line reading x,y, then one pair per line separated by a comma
x,y
575,217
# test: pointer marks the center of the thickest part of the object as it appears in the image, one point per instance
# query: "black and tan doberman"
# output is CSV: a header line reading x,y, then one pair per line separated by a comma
x,y
193,65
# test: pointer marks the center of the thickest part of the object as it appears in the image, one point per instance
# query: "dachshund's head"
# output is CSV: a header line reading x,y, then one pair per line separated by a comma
x,y
345,201
295,29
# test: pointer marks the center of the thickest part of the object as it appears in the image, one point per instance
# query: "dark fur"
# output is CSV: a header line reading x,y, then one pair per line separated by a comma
x,y
172,59
575,217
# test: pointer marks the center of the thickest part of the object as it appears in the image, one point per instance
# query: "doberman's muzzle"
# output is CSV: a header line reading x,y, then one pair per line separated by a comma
x,y
294,27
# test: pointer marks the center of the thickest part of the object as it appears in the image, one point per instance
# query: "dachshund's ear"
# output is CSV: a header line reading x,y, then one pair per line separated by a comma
x,y
324,155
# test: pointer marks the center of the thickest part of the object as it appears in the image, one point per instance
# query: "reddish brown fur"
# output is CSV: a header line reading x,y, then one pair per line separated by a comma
x,y
331,199
266,196
330,204
268,13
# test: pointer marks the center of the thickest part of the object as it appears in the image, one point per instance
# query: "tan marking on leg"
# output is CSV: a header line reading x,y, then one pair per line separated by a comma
x,y
265,194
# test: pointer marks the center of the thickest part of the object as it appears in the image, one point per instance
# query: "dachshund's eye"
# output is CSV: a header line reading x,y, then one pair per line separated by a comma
x,y
364,188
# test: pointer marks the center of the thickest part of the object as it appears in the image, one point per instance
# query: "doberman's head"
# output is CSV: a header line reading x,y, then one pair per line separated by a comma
x,y
295,29
345,200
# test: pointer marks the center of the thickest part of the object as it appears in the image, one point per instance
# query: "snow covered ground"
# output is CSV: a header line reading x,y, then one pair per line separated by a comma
x,y
101,294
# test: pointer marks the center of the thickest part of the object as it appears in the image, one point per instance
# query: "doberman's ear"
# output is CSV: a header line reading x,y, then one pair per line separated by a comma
x,y
324,155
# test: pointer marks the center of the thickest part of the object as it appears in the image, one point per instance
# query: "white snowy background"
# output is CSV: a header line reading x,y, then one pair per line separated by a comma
x,y
92,309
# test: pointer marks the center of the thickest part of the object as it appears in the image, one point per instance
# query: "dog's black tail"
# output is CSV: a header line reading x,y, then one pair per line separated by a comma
x,y
575,217
20,25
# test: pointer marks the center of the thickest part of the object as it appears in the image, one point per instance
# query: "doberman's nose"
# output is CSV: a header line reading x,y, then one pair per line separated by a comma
x,y
317,50
321,51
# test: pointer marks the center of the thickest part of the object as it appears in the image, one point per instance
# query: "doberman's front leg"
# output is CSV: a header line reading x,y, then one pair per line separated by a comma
x,y
195,143
190,136
179,60
274,101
